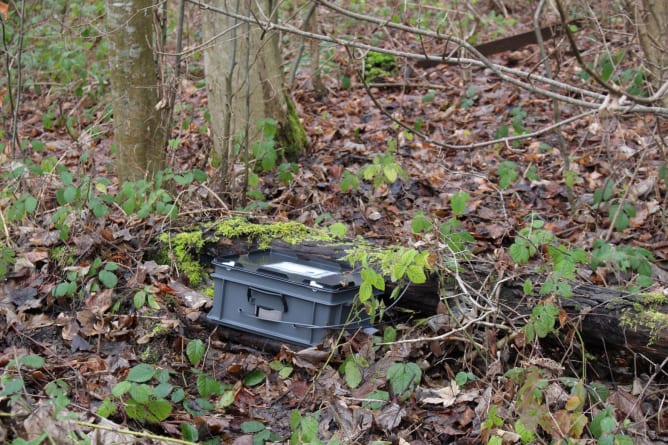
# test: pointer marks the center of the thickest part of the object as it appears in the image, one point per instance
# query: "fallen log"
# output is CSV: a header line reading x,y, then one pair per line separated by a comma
x,y
615,321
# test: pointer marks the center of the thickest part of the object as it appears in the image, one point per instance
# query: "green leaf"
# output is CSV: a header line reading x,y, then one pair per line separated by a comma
x,y
11,387
285,372
376,399
527,287
141,393
141,373
162,390
507,173
158,410
139,299
70,194
353,374
404,377
106,409
226,399
207,385
519,252
252,426
195,351
121,388
108,279
420,223
338,229
526,435
32,361
178,395
430,96
389,334
458,203
253,378
189,432
416,274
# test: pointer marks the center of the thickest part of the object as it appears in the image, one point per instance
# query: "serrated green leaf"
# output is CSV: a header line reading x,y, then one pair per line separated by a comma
x,y
195,351
106,409
158,410
207,385
390,172
139,299
141,373
430,96
416,274
141,393
458,203
519,253
121,388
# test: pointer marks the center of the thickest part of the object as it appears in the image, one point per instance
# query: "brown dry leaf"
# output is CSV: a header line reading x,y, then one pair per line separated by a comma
x,y
41,421
627,403
4,10
99,302
38,321
390,417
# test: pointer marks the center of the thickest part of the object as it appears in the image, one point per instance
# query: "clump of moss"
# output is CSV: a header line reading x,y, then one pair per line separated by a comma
x,y
646,314
290,232
184,249
62,256
378,65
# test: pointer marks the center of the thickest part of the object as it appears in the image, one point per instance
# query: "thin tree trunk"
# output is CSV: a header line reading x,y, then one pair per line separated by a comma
x,y
651,17
245,83
139,134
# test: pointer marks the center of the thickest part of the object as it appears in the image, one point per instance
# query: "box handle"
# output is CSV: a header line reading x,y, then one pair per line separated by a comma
x,y
267,311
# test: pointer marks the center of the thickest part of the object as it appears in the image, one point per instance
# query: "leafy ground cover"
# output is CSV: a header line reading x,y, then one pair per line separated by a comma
x,y
102,335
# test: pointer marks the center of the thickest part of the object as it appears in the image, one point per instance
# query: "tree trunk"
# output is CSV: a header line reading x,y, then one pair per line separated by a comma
x,y
245,84
139,133
651,17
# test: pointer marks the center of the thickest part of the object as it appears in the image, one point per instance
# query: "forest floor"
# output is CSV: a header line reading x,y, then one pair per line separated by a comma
x,y
71,340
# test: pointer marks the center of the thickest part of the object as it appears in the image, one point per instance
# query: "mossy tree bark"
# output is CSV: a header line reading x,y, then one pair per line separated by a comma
x,y
139,133
245,84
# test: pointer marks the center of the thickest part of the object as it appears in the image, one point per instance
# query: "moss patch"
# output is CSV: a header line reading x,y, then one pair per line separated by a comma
x,y
184,249
290,232
291,135
646,313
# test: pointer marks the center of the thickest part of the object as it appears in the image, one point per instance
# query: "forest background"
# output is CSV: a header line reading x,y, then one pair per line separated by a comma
x,y
502,177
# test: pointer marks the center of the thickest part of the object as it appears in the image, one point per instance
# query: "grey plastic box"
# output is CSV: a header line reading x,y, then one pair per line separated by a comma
x,y
282,295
